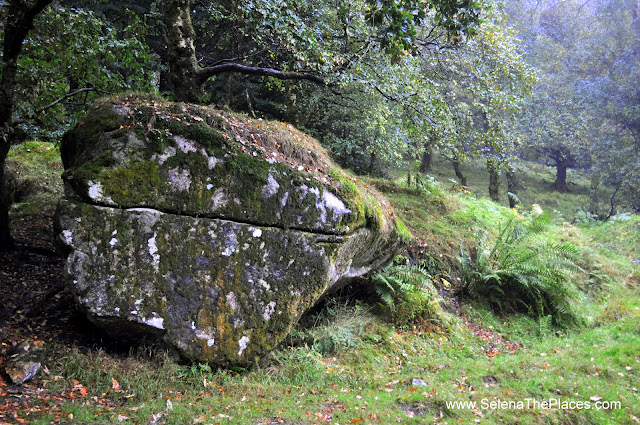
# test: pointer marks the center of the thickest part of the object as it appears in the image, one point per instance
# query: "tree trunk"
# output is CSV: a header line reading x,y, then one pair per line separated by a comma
x,y
561,177
187,77
5,201
19,21
494,182
594,195
456,167
372,162
427,158
228,91
188,85
512,186
291,104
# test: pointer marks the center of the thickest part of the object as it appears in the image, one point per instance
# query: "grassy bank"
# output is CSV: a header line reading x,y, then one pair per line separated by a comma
x,y
355,361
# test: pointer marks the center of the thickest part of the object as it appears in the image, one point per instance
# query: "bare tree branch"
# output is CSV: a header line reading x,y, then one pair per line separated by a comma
x,y
205,73
55,102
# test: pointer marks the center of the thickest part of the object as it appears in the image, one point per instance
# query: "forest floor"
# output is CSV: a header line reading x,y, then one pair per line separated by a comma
x,y
37,306
358,367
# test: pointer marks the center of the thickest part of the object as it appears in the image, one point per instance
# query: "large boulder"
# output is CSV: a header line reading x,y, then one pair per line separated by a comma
x,y
207,230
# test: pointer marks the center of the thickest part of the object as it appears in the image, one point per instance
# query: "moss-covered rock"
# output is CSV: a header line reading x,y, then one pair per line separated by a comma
x,y
211,231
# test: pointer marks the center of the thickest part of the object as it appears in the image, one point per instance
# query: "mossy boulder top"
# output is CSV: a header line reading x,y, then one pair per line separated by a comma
x,y
211,232
201,162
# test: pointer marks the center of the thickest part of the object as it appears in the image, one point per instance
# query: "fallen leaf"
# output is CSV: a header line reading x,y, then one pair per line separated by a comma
x,y
115,384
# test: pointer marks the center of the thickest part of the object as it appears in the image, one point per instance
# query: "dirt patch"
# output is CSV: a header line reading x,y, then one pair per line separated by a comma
x,y
36,305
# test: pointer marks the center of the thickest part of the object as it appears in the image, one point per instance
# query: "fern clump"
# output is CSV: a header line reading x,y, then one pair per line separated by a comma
x,y
407,293
518,273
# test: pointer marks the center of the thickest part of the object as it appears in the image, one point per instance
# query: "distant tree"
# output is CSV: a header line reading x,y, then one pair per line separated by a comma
x,y
556,120
615,157
584,109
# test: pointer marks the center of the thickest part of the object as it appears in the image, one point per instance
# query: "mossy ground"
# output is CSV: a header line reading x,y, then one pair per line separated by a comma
x,y
371,372
33,172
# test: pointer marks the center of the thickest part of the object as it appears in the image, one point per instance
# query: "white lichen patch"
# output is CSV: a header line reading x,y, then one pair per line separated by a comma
x,y
185,145
213,161
218,199
68,236
264,284
283,203
231,301
147,211
230,244
156,322
335,204
200,334
243,344
153,250
329,201
304,189
271,308
166,154
95,190
271,188
180,178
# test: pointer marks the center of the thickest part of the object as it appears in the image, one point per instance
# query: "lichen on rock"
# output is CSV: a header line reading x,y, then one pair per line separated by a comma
x,y
207,230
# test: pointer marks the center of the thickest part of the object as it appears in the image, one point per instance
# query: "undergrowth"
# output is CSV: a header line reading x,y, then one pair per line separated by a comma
x,y
407,293
517,273
33,171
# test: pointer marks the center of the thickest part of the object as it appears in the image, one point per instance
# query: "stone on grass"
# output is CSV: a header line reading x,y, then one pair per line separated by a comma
x,y
209,231
23,361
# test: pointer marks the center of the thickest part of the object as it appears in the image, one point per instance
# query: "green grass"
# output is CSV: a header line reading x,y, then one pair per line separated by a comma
x,y
535,182
33,171
380,380
347,364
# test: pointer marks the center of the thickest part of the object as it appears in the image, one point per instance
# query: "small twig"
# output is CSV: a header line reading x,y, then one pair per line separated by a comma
x,y
612,209
66,96
57,101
